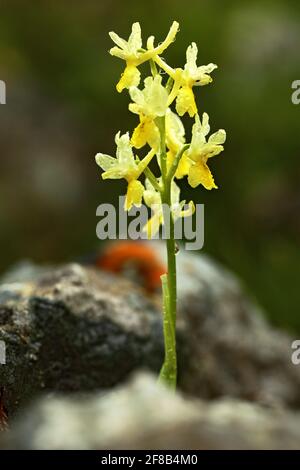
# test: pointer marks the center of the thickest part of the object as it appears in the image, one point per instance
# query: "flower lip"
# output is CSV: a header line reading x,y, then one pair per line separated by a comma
x,y
201,150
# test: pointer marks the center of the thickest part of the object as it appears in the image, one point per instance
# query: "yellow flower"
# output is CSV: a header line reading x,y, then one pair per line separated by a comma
x,y
153,200
149,103
125,166
201,150
175,139
145,132
131,51
185,79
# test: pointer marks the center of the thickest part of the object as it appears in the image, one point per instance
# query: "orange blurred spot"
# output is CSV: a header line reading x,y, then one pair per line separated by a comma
x,y
143,257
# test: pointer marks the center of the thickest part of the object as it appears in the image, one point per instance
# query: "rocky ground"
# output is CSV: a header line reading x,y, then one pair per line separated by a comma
x,y
77,340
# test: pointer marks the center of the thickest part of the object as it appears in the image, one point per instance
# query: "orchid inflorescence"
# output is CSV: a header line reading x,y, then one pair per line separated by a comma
x,y
161,130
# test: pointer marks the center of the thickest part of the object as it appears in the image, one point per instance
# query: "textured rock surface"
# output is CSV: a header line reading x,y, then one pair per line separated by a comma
x,y
143,415
74,329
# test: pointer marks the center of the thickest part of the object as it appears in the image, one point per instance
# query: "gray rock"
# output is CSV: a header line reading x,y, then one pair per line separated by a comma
x,y
23,271
74,329
77,329
144,415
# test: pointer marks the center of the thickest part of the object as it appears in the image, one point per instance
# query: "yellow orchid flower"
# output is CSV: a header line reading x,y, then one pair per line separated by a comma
x,y
201,150
191,75
175,139
185,79
125,166
131,51
153,200
149,103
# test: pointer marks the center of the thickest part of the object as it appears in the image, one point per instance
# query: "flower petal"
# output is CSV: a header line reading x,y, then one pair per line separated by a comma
x,y
156,96
198,137
207,68
144,162
211,150
169,39
134,194
137,96
124,150
183,167
152,198
106,162
117,40
178,211
202,76
130,77
152,100
185,102
170,158
117,52
218,137
115,173
135,38
174,131
189,211
150,42
146,132
164,44
200,174
139,136
205,127
191,58
112,168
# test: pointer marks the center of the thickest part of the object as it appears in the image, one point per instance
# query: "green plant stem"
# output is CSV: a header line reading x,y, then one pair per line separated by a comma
x,y
153,180
169,369
168,373
153,67
171,250
169,85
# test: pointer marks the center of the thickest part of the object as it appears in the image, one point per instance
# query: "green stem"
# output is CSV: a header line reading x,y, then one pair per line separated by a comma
x,y
169,368
153,67
168,373
151,177
169,85
171,251
153,180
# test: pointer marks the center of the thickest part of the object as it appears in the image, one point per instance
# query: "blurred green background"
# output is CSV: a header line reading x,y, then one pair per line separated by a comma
x,y
62,108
